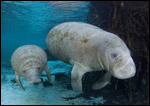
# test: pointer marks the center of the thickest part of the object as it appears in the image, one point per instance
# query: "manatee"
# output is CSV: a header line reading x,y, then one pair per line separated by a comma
x,y
89,48
29,61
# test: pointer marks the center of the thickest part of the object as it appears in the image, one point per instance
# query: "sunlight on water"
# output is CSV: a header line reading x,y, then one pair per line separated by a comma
x,y
28,22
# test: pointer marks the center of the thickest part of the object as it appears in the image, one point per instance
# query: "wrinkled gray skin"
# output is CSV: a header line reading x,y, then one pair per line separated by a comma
x,y
89,48
29,61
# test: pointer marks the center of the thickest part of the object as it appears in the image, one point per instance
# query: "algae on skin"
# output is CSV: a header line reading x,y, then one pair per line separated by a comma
x,y
85,40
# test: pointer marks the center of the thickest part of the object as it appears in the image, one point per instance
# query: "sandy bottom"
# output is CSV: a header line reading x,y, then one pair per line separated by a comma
x,y
12,94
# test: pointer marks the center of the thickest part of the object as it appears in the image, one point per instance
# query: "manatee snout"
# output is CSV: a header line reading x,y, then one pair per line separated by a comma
x,y
125,72
33,77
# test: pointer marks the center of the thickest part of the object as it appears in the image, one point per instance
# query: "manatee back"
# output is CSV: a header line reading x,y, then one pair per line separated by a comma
x,y
71,40
28,57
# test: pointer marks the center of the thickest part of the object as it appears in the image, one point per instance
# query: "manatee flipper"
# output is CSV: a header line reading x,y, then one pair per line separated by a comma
x,y
76,76
48,73
102,82
18,81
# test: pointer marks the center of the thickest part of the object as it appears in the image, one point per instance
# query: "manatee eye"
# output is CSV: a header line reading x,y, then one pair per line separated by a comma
x,y
114,55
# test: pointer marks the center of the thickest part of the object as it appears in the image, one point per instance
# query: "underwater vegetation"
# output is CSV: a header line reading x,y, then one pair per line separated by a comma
x,y
130,21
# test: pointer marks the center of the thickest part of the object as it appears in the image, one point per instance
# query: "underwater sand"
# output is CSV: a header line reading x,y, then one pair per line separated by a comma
x,y
12,94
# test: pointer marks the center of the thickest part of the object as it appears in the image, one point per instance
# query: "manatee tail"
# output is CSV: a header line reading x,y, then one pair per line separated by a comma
x,y
49,55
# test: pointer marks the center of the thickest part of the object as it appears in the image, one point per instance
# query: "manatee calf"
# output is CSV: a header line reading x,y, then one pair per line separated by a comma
x,y
89,48
29,61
